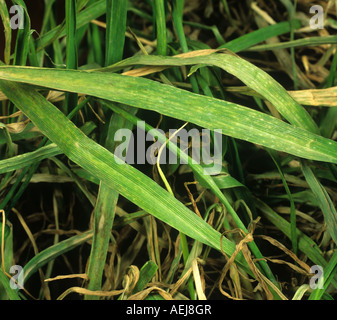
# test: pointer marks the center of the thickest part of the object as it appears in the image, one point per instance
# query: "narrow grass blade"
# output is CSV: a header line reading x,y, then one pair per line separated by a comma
x,y
12,294
177,16
225,182
115,31
23,38
159,6
213,28
71,49
7,137
103,219
147,272
330,80
54,251
326,205
291,200
304,42
95,38
252,38
7,30
291,8
300,292
329,123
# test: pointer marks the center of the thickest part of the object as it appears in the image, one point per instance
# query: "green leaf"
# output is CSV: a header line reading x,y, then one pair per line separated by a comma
x,y
262,34
252,76
159,7
115,30
4,281
54,251
7,30
234,120
225,182
23,38
71,50
275,158
325,203
147,272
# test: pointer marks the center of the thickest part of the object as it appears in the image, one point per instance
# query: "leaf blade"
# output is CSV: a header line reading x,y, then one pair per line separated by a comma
x,y
234,120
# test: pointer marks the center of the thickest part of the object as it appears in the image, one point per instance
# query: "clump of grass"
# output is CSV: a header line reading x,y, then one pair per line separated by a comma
x,y
105,230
